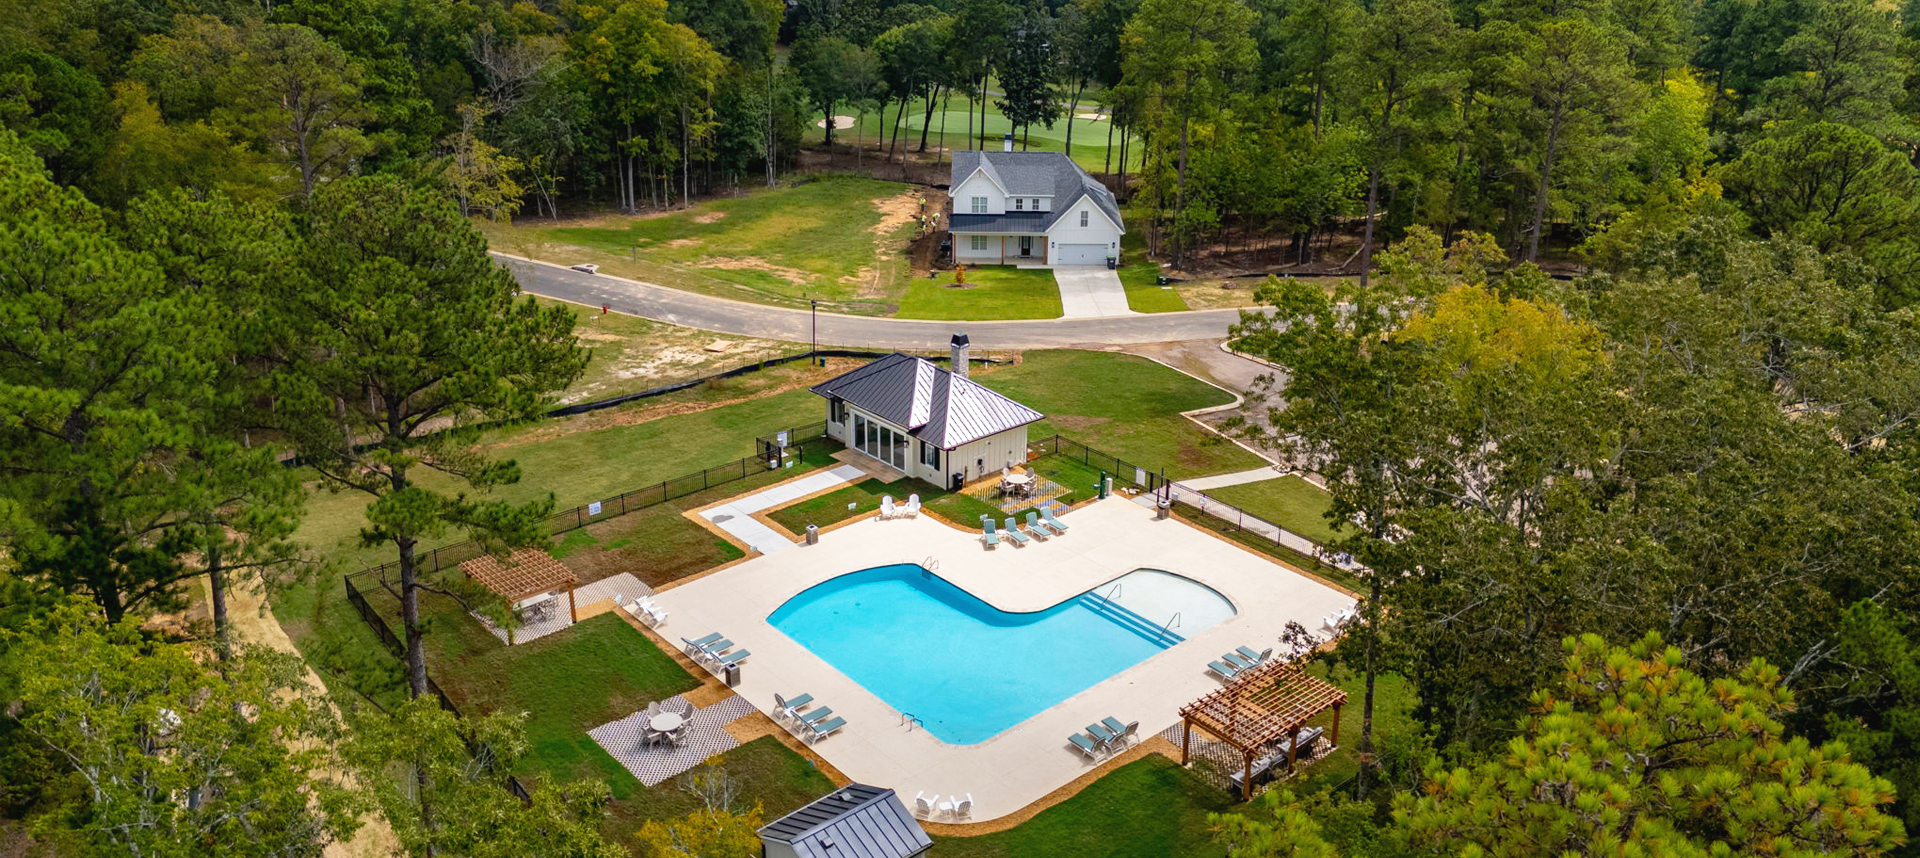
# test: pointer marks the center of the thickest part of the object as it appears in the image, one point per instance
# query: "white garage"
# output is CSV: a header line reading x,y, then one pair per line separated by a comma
x,y
1081,254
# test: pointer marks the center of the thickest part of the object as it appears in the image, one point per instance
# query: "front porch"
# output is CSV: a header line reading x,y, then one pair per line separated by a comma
x,y
1027,249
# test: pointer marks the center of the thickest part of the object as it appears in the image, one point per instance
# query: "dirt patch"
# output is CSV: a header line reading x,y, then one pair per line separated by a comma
x,y
708,217
896,212
752,263
683,242
596,420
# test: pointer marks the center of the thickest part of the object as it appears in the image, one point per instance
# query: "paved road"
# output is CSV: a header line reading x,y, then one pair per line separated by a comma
x,y
740,318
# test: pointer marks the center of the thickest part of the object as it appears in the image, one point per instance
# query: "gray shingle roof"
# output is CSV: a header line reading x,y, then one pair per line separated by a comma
x,y
1036,174
855,821
931,403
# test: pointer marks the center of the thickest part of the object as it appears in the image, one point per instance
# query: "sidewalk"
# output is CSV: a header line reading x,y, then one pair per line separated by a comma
x,y
1220,481
736,516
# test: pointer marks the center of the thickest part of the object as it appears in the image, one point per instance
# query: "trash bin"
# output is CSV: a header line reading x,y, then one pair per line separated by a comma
x,y
732,676
1163,510
1112,263
813,534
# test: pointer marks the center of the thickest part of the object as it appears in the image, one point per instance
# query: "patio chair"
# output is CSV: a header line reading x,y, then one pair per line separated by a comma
x,y
1047,513
790,707
959,808
694,646
815,717
722,662
1087,747
923,804
986,532
713,650
1338,619
886,506
653,708
1013,530
1237,660
684,709
912,509
1036,526
1222,669
1102,735
1130,734
1255,657
824,730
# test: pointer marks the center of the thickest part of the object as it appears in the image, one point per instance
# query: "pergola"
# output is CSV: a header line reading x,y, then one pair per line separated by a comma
x,y
523,574
1258,708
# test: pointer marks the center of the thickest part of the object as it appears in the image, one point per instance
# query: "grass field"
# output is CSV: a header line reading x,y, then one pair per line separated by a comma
x,y
839,239
1089,135
1139,274
1125,405
631,354
1291,502
991,292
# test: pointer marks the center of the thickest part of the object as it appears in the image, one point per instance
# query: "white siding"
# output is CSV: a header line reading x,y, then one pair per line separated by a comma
x,y
978,185
963,250
988,455
1099,230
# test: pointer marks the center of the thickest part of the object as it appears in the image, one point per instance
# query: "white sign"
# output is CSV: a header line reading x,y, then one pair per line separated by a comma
x,y
781,439
593,508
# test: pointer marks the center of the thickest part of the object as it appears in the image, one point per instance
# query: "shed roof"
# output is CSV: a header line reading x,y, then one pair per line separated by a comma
x,y
1037,174
855,821
521,574
931,403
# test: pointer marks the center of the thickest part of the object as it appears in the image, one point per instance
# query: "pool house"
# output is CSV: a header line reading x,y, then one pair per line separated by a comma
x,y
928,422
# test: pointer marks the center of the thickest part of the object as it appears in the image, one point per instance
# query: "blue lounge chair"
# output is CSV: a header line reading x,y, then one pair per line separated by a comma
x,y
789,706
1035,525
1013,530
986,532
695,646
816,716
1237,660
1114,724
732,658
824,730
1222,669
1255,657
1087,747
713,650
1047,513
1102,735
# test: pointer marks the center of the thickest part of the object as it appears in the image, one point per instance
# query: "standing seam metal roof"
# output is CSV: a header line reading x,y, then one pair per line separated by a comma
x,y
855,821
1037,174
931,403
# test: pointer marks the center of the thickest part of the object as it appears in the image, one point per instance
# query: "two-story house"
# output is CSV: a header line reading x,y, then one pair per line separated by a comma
x,y
1036,208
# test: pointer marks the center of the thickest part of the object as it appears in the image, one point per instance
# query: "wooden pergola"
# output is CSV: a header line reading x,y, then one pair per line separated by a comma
x,y
523,574
1257,709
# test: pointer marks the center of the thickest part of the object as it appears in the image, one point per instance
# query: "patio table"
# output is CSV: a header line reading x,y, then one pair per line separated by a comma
x,y
666,722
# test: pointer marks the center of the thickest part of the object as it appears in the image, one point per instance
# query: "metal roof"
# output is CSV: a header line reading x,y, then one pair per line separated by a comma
x,y
1034,222
931,403
1036,174
855,821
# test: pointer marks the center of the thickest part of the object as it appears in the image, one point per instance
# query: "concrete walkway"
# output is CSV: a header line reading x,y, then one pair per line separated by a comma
x,y
1090,292
1220,481
736,516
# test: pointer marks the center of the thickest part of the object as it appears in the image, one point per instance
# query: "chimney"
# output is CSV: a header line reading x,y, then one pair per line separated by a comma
x,y
959,362
1006,142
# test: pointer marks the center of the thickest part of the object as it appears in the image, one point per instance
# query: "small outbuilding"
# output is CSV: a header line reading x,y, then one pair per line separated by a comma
x,y
926,421
854,821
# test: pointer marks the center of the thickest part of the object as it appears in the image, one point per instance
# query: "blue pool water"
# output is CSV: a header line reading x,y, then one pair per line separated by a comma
x,y
965,668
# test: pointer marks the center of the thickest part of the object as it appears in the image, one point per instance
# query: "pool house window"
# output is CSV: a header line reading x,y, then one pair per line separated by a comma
x,y
929,455
880,441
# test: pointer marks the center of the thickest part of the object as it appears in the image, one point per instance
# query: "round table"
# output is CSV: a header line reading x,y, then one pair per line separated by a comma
x,y
666,722
1018,481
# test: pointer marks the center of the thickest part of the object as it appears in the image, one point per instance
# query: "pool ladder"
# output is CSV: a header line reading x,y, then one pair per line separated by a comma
x,y
1171,622
1113,593
910,719
929,567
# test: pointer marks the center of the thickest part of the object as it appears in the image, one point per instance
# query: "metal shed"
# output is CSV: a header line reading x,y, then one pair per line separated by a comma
x,y
855,821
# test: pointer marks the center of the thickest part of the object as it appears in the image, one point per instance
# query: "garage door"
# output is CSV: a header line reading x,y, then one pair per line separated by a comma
x,y
1081,254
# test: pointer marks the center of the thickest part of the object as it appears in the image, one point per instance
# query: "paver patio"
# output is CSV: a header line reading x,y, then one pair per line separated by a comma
x,y
706,738
1031,759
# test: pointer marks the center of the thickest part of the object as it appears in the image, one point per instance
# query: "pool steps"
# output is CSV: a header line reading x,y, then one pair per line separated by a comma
x,y
1127,619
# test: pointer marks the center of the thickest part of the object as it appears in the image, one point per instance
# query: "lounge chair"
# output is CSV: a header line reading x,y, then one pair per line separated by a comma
x,y
790,707
1237,660
886,506
986,532
695,646
1052,522
1255,657
1102,735
824,730
923,804
1223,669
712,651
816,716
1013,530
959,808
1037,527
721,662
912,509
1339,619
1130,734
1088,748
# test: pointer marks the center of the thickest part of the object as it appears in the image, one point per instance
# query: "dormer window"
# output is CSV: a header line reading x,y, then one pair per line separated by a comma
x,y
979,205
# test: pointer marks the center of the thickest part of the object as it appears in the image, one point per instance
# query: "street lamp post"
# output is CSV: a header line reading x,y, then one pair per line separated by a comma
x,y
815,302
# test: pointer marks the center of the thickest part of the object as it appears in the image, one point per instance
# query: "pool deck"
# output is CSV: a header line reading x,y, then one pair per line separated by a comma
x,y
1031,759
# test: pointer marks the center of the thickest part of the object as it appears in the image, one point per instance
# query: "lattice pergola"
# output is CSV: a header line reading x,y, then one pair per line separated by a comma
x,y
523,574
1260,707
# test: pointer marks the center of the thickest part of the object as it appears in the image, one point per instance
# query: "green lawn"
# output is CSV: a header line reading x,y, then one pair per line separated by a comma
x,y
827,238
991,292
1089,135
1291,502
1138,274
1150,808
1125,405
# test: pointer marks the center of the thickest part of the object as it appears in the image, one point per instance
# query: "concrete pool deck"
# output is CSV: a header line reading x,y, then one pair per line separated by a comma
x,y
1026,762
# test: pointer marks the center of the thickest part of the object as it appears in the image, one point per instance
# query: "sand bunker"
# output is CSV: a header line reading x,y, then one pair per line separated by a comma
x,y
839,122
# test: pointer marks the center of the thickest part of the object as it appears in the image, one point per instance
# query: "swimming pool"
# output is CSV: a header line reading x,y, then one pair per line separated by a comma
x,y
968,670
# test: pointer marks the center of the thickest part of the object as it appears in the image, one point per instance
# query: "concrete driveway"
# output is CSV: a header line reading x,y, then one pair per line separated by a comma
x,y
1090,292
